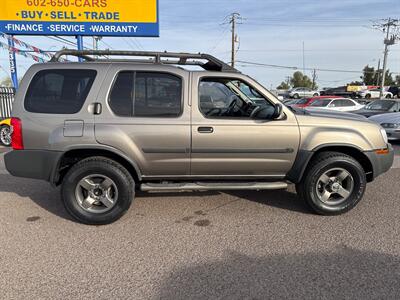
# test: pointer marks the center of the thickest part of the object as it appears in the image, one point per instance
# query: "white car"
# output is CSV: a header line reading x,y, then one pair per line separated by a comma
x,y
302,92
374,93
335,104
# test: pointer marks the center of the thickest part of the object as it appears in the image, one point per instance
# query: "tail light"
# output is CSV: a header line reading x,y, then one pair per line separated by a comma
x,y
17,141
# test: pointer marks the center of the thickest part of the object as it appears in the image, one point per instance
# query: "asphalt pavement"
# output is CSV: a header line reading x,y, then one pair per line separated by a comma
x,y
206,245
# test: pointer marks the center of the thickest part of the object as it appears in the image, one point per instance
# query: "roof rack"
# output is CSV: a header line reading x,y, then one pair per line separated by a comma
x,y
212,63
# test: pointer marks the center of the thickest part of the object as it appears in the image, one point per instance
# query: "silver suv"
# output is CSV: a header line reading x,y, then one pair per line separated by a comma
x,y
104,128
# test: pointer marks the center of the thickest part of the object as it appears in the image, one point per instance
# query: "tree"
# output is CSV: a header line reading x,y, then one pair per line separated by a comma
x,y
283,86
397,80
300,80
369,75
389,78
372,77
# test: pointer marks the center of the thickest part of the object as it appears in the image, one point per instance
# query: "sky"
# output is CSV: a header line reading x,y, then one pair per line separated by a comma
x,y
337,34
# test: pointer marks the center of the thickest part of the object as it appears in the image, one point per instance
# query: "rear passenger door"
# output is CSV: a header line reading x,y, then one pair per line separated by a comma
x,y
144,115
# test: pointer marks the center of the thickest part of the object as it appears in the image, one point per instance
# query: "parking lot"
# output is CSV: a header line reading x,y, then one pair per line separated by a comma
x,y
236,245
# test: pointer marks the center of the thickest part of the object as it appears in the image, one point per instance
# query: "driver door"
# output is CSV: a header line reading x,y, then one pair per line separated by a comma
x,y
227,141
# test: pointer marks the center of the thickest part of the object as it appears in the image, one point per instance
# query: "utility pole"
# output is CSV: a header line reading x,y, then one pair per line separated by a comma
x,y
378,72
96,40
314,78
234,17
388,41
304,60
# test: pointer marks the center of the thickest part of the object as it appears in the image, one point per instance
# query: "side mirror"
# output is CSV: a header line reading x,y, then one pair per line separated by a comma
x,y
278,111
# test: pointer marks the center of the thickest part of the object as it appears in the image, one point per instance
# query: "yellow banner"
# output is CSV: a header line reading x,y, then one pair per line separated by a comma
x,y
104,11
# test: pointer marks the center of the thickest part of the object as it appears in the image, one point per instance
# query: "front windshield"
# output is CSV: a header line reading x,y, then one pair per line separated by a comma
x,y
380,105
321,102
248,91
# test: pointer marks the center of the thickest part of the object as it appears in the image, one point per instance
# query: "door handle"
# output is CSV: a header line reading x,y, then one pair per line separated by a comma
x,y
205,129
96,108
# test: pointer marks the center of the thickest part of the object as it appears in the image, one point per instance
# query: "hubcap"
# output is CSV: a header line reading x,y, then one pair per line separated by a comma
x,y
96,193
5,135
335,186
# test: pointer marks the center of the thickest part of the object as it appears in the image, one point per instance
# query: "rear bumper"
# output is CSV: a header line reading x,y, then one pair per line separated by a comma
x,y
36,164
381,163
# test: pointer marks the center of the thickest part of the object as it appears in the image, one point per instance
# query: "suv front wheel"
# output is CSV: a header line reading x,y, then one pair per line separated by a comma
x,y
97,191
333,183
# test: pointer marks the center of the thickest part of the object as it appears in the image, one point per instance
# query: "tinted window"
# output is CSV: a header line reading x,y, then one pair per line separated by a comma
x,y
59,91
381,105
346,102
146,95
121,97
158,95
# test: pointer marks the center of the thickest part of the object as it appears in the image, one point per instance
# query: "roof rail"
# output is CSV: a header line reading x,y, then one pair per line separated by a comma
x,y
212,63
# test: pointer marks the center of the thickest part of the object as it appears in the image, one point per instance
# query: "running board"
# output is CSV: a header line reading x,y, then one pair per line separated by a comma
x,y
212,186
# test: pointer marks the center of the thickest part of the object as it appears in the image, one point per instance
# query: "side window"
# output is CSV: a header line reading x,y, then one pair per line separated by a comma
x,y
231,98
157,95
334,103
62,91
347,102
121,97
146,94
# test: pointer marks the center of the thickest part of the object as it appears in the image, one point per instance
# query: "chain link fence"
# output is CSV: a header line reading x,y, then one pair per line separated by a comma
x,y
6,101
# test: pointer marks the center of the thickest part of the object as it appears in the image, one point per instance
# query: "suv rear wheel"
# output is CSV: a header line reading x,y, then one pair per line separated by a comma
x,y
5,135
97,191
333,184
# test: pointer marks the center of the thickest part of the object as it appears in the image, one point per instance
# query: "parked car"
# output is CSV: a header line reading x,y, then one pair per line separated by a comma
x,y
305,102
302,92
339,92
289,101
395,90
374,93
390,122
5,132
336,104
378,107
102,129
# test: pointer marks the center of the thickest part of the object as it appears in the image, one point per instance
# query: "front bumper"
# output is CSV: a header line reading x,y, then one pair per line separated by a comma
x,y
36,164
381,163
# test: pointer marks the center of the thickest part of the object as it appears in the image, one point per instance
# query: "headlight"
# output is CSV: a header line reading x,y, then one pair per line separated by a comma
x,y
384,135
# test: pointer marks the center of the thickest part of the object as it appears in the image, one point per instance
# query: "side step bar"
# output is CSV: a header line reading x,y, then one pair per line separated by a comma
x,y
212,186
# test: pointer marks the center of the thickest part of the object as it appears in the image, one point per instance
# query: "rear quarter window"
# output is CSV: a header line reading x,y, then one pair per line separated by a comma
x,y
61,91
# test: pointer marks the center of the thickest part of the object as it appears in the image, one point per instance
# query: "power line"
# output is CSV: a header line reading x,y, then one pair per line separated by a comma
x,y
247,63
219,40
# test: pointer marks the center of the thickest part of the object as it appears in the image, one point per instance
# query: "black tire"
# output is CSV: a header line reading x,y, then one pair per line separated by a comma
x,y
296,96
315,95
388,96
98,165
368,96
5,129
324,161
